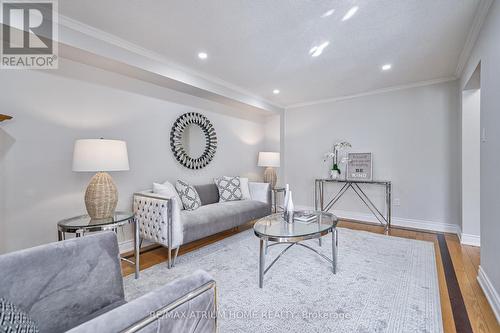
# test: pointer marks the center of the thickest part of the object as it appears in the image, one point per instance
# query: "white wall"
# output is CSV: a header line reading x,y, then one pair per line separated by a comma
x,y
413,135
471,215
487,52
52,109
273,141
272,133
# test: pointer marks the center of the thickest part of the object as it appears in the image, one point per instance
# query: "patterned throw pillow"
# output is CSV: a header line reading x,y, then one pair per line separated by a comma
x,y
229,188
13,319
189,197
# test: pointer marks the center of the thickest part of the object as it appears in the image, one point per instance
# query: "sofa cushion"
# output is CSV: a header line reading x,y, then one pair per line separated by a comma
x,y
189,196
229,188
208,193
211,219
245,190
100,312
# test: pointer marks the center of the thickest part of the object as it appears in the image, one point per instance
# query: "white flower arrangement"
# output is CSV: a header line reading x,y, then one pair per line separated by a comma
x,y
334,155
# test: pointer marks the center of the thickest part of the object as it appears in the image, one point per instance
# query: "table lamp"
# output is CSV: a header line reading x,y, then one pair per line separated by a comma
x,y
99,155
269,160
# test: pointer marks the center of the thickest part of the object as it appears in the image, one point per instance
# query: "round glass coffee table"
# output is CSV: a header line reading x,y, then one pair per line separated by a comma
x,y
273,228
80,225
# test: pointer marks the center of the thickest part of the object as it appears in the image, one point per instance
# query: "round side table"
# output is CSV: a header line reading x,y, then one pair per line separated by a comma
x,y
80,225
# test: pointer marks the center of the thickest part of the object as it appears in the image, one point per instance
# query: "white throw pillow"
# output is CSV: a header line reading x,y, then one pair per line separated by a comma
x,y
245,190
189,196
229,188
167,190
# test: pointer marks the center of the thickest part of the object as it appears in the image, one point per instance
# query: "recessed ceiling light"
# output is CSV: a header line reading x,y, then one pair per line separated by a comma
x,y
276,91
350,13
317,50
386,67
202,55
328,13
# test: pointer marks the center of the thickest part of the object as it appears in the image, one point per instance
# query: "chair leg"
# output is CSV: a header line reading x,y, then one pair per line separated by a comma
x,y
175,255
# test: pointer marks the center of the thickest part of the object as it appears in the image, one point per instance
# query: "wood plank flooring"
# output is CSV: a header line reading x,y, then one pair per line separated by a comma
x,y
464,259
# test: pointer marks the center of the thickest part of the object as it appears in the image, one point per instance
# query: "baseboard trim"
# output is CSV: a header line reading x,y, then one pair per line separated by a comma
x,y
128,245
468,239
396,221
490,292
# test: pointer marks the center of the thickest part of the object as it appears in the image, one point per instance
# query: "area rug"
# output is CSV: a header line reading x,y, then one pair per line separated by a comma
x,y
383,284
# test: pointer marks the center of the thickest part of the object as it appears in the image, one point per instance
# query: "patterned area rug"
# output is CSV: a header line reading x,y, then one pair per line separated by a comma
x,y
383,284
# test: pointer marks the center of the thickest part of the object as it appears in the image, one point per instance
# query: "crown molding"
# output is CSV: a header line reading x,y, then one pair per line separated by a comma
x,y
475,29
116,41
374,92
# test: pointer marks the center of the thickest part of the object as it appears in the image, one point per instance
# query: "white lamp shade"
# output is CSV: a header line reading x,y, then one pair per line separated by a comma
x,y
94,155
269,159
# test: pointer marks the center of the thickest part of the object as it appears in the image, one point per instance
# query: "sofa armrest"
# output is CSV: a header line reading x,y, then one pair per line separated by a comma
x,y
158,218
260,192
184,305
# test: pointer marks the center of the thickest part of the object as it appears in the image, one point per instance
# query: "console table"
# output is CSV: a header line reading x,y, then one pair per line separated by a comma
x,y
319,196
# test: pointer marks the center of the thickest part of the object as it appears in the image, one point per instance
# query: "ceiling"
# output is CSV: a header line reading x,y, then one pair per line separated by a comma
x,y
262,45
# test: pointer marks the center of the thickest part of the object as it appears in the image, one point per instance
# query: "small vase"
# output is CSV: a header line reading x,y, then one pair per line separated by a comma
x,y
334,174
288,215
285,199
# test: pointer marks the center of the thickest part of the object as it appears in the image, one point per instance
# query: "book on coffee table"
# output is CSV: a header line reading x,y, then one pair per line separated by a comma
x,y
304,217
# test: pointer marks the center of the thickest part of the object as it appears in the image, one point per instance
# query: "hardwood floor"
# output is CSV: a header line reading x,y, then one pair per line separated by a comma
x,y
464,260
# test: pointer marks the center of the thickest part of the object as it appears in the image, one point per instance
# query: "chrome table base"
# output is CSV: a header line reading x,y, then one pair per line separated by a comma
x,y
264,245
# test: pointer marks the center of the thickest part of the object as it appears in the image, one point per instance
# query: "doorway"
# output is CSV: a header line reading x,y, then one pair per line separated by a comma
x,y
471,159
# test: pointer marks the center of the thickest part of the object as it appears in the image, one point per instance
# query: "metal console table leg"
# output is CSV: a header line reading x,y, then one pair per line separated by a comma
x,y
319,194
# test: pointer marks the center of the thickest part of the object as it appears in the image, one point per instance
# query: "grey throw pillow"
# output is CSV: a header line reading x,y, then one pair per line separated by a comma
x,y
13,319
229,188
189,196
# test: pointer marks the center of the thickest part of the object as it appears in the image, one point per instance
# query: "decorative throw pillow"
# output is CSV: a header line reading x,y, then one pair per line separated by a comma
x,y
189,197
245,190
167,190
229,188
13,319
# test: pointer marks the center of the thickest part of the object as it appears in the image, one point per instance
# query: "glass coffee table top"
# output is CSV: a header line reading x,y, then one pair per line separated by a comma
x,y
84,221
274,226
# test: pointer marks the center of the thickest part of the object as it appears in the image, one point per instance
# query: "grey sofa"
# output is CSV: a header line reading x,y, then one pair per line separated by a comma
x,y
161,221
77,285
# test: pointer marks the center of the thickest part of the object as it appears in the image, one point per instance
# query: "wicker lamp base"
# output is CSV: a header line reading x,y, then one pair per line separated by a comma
x,y
270,176
101,196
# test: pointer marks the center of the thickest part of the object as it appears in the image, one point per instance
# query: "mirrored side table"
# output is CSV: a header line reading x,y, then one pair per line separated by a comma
x,y
83,224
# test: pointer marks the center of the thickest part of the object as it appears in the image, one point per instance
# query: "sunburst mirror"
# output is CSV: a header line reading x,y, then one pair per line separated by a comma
x,y
193,140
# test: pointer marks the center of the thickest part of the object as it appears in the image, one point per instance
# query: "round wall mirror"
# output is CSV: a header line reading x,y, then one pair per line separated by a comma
x,y
193,140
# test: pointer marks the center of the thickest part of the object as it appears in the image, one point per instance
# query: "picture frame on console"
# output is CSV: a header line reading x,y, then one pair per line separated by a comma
x,y
360,166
